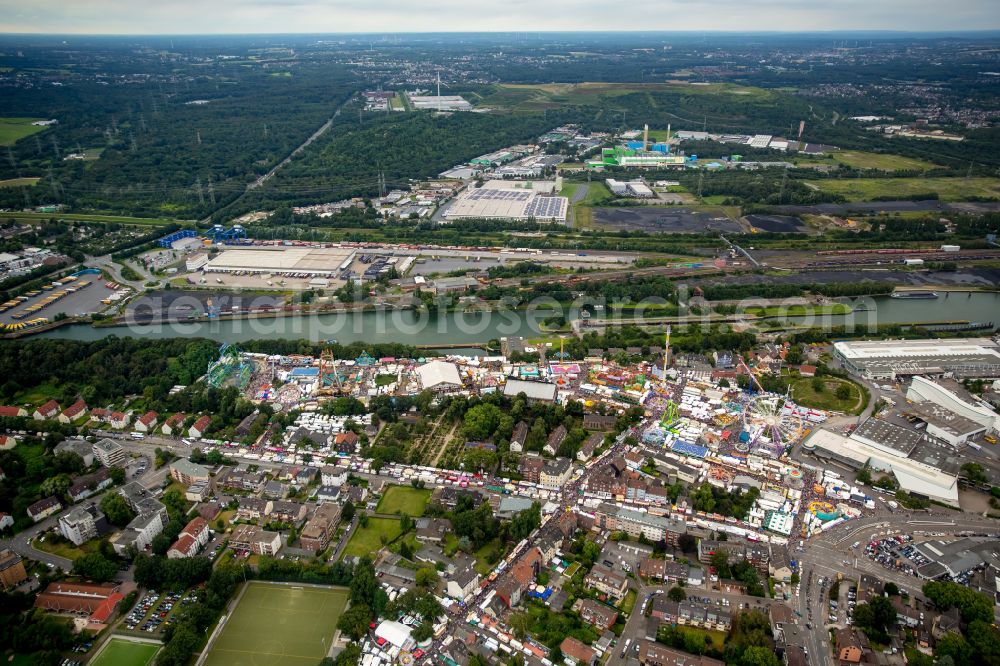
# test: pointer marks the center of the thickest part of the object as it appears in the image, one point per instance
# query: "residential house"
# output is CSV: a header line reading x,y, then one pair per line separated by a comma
x,y
652,653
85,486
146,422
578,651
319,529
6,520
555,473
43,508
173,425
7,442
597,614
187,472
690,613
47,411
109,453
12,571
518,437
82,524
285,511
200,427
251,508
333,475
556,438
849,648
80,447
73,412
8,411
198,491
606,581
463,583
530,467
255,540
780,564
192,539
119,420
346,443
588,447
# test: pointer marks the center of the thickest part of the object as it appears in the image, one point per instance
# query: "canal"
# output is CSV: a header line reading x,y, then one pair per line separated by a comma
x,y
469,329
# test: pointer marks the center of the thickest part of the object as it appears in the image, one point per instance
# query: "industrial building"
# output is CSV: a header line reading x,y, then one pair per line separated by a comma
x,y
629,188
888,359
952,396
440,102
920,470
311,261
510,200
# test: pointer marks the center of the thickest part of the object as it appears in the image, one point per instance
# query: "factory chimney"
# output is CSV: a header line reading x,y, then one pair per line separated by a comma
x,y
668,138
645,137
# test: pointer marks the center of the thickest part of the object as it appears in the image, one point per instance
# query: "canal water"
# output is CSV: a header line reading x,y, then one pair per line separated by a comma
x,y
468,329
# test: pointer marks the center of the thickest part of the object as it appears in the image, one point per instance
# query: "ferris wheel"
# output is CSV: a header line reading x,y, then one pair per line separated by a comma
x,y
770,427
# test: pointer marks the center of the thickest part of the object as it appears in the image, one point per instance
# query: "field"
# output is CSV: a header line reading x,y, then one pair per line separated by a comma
x,y
804,394
369,540
862,160
279,625
401,499
121,652
19,182
799,310
13,130
947,189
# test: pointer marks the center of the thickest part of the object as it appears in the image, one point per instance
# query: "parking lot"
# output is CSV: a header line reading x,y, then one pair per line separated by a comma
x,y
86,300
895,553
153,613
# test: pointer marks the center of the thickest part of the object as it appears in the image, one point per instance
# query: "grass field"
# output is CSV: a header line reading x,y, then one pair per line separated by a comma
x,y
799,310
121,652
401,499
948,189
804,394
862,160
583,214
13,130
368,540
19,182
279,625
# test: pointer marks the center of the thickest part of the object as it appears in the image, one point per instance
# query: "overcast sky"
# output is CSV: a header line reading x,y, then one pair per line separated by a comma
x,y
312,16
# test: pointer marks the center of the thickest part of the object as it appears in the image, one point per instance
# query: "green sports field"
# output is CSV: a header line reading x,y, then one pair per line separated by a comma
x,y
278,625
121,652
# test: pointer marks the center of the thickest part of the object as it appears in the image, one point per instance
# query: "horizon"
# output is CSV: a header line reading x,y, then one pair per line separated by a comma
x,y
352,17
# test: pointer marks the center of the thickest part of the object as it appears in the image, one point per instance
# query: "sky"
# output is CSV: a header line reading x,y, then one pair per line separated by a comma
x,y
337,16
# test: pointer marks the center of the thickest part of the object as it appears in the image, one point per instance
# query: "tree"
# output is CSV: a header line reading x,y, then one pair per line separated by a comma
x,y
677,594
687,543
347,511
759,656
481,421
843,392
974,473
95,567
354,622
427,577
116,509
891,589
954,646
818,385
117,475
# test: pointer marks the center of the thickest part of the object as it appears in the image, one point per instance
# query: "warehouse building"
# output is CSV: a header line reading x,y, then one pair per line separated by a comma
x,y
311,261
888,359
629,188
510,200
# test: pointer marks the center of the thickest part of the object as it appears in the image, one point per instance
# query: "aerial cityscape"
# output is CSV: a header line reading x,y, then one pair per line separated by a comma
x,y
530,336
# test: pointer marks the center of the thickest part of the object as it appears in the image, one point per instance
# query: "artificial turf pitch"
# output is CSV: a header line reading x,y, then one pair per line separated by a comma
x,y
278,624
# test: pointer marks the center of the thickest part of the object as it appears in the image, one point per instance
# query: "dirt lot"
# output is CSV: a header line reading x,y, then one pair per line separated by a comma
x,y
663,220
179,304
782,224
